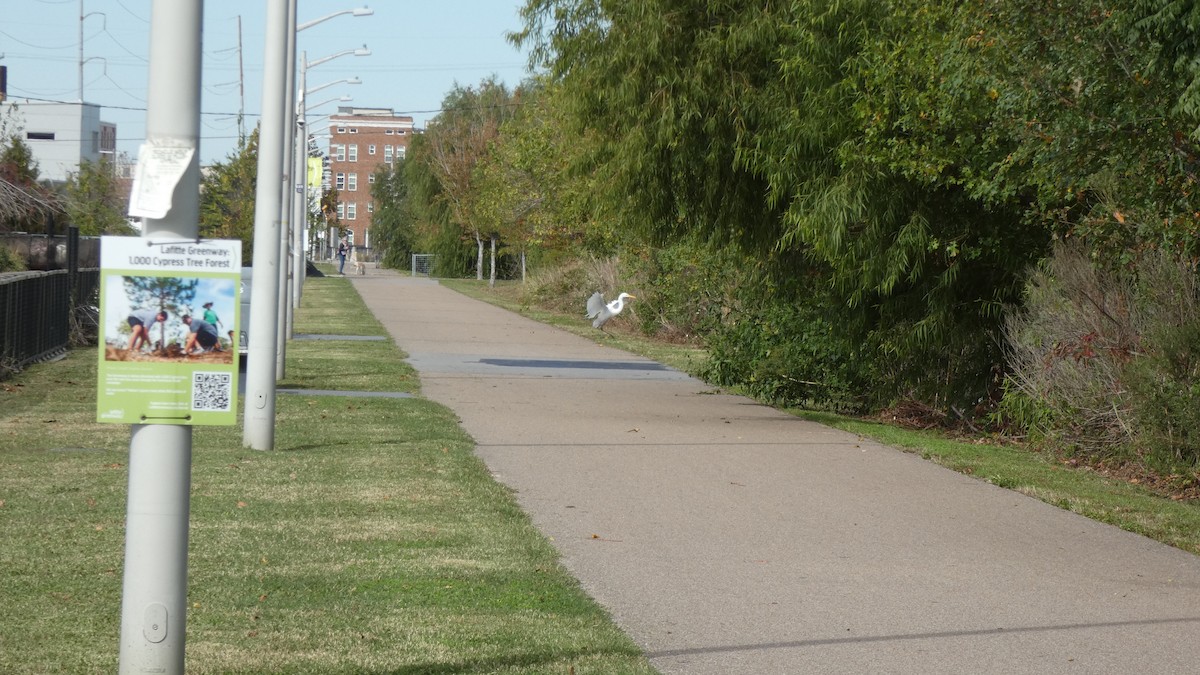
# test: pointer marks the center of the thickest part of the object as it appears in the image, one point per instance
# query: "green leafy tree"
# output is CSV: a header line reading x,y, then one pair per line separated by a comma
x,y
227,197
95,203
458,140
535,186
17,163
393,223
436,231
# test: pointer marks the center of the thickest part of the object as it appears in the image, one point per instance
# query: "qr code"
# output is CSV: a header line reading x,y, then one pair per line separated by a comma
x,y
212,391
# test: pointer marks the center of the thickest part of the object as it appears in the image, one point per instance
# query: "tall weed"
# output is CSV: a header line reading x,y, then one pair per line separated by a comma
x,y
1107,361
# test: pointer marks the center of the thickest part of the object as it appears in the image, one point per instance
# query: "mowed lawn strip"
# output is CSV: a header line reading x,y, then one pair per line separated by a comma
x,y
371,539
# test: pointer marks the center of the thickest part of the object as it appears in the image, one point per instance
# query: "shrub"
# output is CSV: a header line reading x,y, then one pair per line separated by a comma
x,y
788,353
1107,361
11,261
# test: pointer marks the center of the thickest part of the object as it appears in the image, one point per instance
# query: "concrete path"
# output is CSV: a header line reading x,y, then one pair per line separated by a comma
x,y
727,537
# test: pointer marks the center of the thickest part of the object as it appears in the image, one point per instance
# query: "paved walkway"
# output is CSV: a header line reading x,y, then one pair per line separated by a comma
x,y
727,537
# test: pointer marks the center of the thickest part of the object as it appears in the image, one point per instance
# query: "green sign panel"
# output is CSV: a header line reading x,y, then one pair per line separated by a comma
x,y
168,327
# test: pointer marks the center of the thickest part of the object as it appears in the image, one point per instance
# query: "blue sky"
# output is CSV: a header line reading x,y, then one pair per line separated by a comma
x,y
420,50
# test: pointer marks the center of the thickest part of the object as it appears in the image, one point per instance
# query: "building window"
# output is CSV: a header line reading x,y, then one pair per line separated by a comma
x,y
353,152
371,178
354,130
402,132
352,182
39,135
351,211
341,210
341,130
401,151
341,181
371,149
370,207
389,132
387,154
340,154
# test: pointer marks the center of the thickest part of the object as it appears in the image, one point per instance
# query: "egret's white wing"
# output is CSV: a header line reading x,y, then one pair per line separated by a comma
x,y
594,305
603,315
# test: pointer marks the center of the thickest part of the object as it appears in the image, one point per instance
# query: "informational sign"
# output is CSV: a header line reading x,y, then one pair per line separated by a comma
x,y
169,313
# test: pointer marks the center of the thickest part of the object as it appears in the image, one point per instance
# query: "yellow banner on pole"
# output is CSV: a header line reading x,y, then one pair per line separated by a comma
x,y
316,171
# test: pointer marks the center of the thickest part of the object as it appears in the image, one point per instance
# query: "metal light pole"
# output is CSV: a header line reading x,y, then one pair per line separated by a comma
x,y
286,198
300,170
301,212
154,586
267,301
301,220
259,432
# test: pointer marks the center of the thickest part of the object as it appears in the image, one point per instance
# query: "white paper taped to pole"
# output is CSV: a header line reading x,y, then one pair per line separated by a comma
x,y
161,163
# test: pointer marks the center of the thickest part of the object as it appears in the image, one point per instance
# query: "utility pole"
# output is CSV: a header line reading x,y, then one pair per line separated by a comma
x,y
154,586
241,89
81,51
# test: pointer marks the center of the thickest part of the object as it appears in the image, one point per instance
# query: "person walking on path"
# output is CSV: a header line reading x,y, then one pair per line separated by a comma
x,y
202,333
341,254
140,323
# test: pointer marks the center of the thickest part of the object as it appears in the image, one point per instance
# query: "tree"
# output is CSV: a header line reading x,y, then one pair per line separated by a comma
x,y
173,295
25,205
535,187
17,163
95,203
393,222
458,140
227,197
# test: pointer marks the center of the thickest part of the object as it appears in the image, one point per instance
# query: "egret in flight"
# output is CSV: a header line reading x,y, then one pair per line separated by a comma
x,y
601,312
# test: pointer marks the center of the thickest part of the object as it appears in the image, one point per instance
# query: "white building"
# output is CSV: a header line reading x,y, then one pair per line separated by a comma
x,y
61,135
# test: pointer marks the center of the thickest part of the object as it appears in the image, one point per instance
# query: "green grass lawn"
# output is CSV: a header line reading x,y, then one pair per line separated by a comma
x,y
371,540
1127,505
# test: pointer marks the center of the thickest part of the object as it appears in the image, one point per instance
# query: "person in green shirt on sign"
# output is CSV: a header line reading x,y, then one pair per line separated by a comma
x,y
211,316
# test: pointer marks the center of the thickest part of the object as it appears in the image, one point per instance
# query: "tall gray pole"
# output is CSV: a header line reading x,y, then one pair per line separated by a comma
x,y
154,587
285,252
259,432
286,272
300,170
81,51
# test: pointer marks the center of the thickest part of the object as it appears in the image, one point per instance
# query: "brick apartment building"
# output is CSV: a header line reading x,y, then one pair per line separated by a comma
x,y
362,139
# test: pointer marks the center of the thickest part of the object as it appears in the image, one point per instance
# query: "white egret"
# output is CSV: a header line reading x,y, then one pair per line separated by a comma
x,y
601,312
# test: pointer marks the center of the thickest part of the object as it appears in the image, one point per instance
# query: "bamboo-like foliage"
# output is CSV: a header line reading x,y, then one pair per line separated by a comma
x,y
921,155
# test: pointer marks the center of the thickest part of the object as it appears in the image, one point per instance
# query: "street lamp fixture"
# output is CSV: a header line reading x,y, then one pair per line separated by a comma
x,y
348,80
343,99
361,11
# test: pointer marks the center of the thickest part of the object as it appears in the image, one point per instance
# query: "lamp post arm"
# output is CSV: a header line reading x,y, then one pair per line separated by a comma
x,y
361,11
